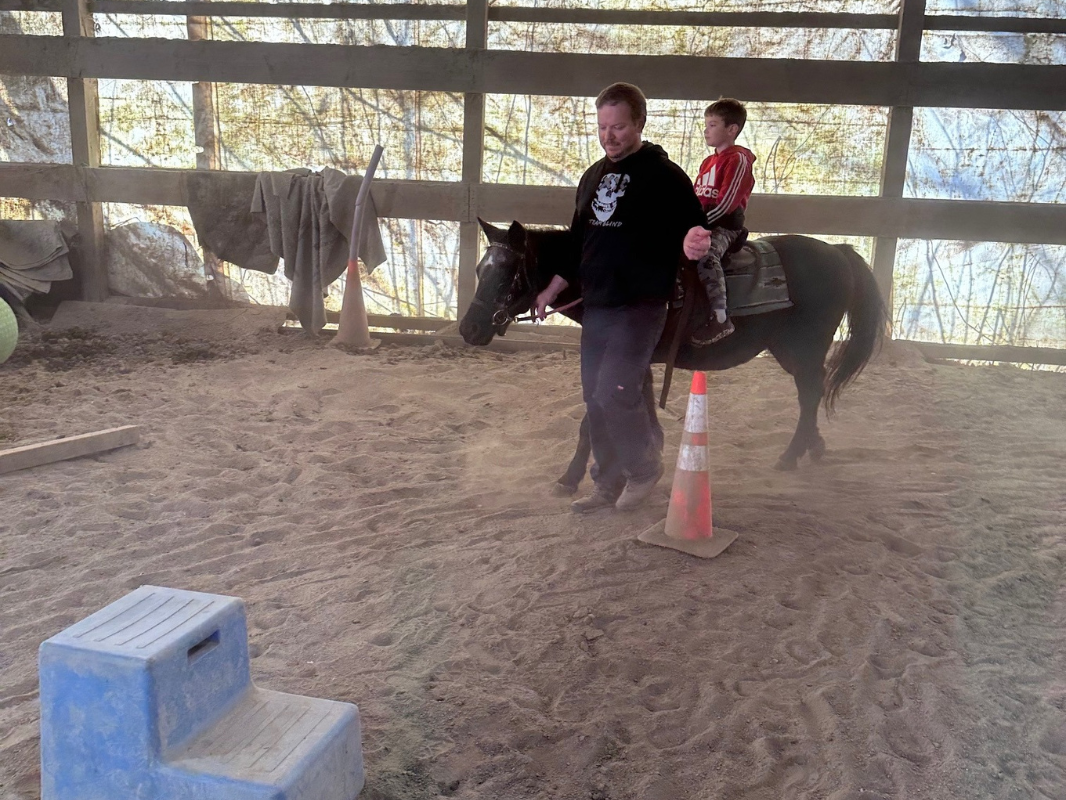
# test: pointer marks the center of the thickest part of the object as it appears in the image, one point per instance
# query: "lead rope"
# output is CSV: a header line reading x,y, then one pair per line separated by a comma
x,y
531,317
689,287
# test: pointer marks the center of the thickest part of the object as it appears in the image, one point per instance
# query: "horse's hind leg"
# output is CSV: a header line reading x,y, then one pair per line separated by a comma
x,y
807,367
810,380
571,479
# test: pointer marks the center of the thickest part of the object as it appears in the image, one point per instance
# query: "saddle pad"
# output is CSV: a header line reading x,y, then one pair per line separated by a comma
x,y
755,280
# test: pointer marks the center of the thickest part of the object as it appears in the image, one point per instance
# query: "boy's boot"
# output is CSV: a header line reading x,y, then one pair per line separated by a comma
x,y
714,329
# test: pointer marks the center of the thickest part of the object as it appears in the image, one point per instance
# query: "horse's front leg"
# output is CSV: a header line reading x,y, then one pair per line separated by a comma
x,y
648,390
571,479
575,472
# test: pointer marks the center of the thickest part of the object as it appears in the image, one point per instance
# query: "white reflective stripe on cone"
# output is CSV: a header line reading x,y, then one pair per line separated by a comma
x,y
692,458
696,416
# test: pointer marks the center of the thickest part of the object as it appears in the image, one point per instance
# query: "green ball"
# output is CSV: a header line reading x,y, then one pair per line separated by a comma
x,y
9,331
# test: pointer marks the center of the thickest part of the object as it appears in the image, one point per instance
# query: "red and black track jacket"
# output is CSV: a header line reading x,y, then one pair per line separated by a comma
x,y
724,184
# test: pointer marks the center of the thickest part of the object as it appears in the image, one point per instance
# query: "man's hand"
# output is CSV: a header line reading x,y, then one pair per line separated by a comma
x,y
547,297
697,243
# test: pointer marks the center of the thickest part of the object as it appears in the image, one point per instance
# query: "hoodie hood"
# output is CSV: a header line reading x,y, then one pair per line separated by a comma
x,y
647,150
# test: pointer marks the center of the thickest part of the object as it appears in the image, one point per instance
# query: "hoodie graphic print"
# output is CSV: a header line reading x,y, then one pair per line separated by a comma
x,y
630,218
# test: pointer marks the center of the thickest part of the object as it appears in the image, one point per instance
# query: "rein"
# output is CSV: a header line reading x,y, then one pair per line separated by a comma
x,y
531,317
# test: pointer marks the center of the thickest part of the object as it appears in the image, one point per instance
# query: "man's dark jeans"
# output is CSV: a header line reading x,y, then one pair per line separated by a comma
x,y
616,349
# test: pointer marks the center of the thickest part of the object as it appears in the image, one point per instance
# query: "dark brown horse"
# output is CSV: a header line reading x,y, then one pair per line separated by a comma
x,y
825,283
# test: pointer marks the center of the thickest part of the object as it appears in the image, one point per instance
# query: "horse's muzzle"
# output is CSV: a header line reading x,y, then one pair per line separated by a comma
x,y
476,332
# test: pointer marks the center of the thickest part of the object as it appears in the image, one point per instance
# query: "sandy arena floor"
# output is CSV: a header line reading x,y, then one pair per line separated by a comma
x,y
890,623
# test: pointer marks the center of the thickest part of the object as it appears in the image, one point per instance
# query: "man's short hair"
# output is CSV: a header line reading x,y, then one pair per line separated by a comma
x,y
731,112
627,93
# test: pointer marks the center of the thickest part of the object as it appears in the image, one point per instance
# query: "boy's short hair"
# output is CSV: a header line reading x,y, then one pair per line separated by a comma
x,y
627,93
731,112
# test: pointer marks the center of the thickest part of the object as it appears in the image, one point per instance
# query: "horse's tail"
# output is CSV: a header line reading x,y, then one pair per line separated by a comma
x,y
867,325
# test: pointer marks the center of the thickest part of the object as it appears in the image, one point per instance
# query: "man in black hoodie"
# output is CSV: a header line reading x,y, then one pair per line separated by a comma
x,y
633,210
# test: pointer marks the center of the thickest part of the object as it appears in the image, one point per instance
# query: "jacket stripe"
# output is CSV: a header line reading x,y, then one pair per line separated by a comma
x,y
728,199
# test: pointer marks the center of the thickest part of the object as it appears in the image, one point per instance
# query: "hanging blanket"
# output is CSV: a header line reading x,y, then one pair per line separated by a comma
x,y
219,204
304,217
33,253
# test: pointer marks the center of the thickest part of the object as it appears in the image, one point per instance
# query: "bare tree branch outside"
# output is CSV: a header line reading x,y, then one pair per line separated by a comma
x,y
944,291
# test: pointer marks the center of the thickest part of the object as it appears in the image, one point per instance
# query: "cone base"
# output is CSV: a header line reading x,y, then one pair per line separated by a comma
x,y
701,548
356,348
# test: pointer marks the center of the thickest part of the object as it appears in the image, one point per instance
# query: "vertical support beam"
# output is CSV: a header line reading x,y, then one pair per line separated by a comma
x,y
893,179
208,155
83,102
897,143
909,33
477,33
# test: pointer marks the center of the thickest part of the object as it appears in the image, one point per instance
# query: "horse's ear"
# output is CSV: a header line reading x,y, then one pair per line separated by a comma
x,y
491,231
516,234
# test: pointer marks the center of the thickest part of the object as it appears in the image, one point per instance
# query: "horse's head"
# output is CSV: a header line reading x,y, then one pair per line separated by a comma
x,y
503,287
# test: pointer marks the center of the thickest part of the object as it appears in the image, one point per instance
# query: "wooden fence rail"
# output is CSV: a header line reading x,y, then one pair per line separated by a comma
x,y
562,16
963,220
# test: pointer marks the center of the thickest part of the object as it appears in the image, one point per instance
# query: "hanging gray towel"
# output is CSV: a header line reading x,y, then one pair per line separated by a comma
x,y
341,192
305,213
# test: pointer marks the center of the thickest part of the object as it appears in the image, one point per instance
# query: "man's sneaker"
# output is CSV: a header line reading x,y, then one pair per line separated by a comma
x,y
636,492
600,498
712,331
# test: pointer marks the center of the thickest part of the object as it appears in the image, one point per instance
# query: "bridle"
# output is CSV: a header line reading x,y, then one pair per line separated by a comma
x,y
520,286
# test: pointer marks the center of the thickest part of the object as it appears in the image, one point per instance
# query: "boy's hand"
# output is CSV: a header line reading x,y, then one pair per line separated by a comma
x,y
697,243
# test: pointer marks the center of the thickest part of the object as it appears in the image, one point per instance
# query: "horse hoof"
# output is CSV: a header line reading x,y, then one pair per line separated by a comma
x,y
817,451
563,490
785,464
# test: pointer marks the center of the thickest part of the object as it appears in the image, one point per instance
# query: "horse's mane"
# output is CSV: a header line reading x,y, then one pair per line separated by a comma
x,y
548,247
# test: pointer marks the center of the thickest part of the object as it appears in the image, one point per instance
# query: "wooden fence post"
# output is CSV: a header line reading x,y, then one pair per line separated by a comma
x,y
83,102
477,30
897,144
205,134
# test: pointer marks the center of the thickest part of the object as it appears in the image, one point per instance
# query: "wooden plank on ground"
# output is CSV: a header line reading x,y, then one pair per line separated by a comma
x,y
87,444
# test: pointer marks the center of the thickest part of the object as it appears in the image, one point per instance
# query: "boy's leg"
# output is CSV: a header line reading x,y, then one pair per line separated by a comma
x,y
709,268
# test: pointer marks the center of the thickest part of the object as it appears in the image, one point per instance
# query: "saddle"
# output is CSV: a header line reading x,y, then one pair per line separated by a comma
x,y
755,284
754,278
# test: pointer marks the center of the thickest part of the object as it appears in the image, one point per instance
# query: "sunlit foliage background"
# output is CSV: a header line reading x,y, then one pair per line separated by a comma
x,y
964,292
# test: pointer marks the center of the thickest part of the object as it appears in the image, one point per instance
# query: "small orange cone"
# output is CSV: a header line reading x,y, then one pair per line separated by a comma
x,y
687,526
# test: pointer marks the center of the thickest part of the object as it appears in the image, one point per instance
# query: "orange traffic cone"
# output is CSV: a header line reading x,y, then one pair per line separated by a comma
x,y
687,526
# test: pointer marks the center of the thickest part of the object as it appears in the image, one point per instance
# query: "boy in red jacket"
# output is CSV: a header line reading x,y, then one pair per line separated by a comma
x,y
723,185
